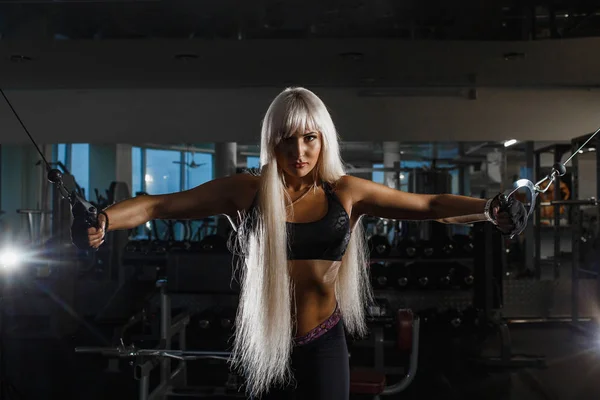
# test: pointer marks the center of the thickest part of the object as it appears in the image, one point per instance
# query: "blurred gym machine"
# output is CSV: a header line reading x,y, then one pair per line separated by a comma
x,y
585,242
204,275
565,219
458,301
488,298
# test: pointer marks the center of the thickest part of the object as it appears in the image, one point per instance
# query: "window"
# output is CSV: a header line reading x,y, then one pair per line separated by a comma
x,y
415,164
76,158
252,162
61,154
163,171
202,173
195,177
137,184
158,171
80,166
377,176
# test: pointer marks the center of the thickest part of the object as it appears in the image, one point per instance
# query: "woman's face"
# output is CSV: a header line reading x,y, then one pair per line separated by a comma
x,y
298,154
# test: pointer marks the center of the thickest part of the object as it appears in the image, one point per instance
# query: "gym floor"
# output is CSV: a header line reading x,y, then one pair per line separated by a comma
x,y
573,363
49,369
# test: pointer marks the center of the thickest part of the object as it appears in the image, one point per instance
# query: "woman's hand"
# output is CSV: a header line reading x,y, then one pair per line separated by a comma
x,y
510,217
84,237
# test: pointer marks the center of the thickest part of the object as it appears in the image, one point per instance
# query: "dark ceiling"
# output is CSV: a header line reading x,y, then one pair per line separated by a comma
x,y
505,20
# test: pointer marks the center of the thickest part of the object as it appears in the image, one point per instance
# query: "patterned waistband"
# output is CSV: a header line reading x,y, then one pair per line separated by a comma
x,y
320,329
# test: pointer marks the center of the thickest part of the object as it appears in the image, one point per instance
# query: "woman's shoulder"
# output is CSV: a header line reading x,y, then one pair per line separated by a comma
x,y
349,188
343,187
248,185
346,183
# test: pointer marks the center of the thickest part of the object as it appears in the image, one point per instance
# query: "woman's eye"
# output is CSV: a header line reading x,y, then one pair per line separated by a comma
x,y
311,138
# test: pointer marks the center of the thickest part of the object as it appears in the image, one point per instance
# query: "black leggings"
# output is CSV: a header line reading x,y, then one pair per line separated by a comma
x,y
321,369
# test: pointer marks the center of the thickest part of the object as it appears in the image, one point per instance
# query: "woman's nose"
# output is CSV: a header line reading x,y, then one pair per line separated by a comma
x,y
297,149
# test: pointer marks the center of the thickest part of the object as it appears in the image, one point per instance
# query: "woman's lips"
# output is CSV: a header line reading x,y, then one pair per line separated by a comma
x,y
300,165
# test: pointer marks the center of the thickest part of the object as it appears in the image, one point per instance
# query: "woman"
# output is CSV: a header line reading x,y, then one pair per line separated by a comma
x,y
303,212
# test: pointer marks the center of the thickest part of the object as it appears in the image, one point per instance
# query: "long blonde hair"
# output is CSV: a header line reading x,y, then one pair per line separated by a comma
x,y
264,327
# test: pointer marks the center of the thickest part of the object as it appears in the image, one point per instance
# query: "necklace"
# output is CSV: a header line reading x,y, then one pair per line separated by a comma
x,y
300,198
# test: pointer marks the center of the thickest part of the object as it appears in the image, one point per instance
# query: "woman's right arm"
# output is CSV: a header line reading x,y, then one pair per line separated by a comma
x,y
219,196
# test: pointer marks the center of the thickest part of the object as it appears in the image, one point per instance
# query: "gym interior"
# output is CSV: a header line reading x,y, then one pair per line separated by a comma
x,y
135,98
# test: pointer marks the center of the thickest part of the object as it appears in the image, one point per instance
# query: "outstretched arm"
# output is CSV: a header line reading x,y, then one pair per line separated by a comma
x,y
370,198
216,197
211,198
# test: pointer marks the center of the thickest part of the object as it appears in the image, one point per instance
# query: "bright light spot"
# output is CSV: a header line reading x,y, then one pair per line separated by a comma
x,y
510,142
165,176
148,178
148,225
401,176
580,151
9,258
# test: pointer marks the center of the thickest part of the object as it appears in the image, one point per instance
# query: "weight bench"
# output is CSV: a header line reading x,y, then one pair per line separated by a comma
x,y
186,273
371,382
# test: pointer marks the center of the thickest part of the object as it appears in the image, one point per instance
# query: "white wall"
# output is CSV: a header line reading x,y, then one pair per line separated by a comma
x,y
209,115
134,91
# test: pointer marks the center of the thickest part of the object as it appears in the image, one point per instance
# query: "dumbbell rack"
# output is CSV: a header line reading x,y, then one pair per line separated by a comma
x,y
172,382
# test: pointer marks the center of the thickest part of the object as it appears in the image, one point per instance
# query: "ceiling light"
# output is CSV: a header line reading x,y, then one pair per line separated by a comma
x,y
510,142
185,57
352,56
19,58
512,56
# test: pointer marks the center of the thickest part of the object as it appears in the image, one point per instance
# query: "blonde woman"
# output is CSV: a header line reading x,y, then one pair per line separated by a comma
x,y
304,278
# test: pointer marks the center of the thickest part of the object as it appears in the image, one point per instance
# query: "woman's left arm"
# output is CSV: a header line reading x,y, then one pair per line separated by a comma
x,y
370,198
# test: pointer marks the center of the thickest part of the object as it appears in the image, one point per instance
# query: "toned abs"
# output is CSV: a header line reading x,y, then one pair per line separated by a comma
x,y
314,280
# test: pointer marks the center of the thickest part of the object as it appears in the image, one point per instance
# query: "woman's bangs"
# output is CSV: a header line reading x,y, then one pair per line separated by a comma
x,y
298,118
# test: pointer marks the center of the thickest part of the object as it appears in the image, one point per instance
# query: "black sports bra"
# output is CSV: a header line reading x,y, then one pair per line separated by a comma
x,y
324,239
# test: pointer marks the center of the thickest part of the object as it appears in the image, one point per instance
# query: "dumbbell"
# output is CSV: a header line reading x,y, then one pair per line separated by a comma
x,y
437,274
463,245
428,249
452,319
438,248
447,249
379,275
399,275
379,247
420,275
409,248
463,276
446,279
